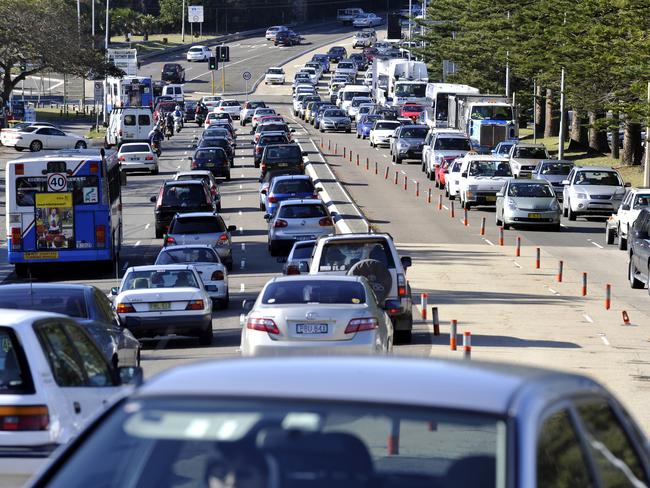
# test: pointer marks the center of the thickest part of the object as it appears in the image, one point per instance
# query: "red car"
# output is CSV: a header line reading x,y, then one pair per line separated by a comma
x,y
164,106
411,110
441,172
370,53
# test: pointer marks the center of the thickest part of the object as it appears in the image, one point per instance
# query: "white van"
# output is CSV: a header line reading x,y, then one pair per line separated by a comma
x,y
347,15
175,91
129,124
348,92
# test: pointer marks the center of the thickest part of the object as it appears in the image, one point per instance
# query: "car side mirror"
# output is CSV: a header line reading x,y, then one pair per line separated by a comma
x,y
115,290
464,175
130,375
153,199
406,261
231,228
264,191
292,130
189,158
625,207
565,182
247,305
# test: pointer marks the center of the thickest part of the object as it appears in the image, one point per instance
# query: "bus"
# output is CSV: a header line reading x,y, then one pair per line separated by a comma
x,y
64,207
130,91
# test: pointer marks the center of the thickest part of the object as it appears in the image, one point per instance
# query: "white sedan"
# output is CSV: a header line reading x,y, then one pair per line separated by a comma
x,y
138,156
38,138
232,107
159,300
381,132
207,262
198,53
6,135
367,20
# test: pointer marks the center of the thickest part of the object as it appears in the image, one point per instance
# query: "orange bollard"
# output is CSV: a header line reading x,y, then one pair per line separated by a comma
x,y
396,176
452,334
357,159
376,168
386,174
482,231
560,270
518,247
429,196
440,202
465,218
608,296
584,284
537,258
344,151
336,148
393,438
417,188
626,318
350,155
406,181
424,297
467,344
501,240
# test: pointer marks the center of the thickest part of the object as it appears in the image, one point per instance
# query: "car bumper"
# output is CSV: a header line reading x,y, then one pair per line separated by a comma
x,y
289,240
225,253
410,153
166,323
335,126
139,165
381,140
481,198
274,81
260,344
595,207
531,217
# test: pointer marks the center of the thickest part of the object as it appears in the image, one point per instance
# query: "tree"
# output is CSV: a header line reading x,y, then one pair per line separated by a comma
x,y
148,23
124,20
171,12
26,40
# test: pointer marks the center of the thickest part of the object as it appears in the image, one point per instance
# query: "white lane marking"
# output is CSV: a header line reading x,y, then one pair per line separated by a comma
x,y
243,247
242,175
553,291
240,212
588,318
185,153
445,207
147,226
137,243
242,288
239,198
596,244
393,163
488,242
603,338
241,230
517,264
385,156
178,167
403,172
242,265
189,147
241,187
198,76
126,265
562,225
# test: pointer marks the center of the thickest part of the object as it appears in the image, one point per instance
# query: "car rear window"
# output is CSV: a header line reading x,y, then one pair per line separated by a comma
x,y
265,141
277,153
342,255
184,195
303,211
188,255
452,144
303,251
197,225
387,125
15,376
211,154
169,278
230,103
293,186
314,291
415,132
128,148
65,301
205,178
273,128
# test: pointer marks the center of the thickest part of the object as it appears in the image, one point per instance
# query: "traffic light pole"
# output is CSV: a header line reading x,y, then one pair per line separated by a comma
x,y
212,76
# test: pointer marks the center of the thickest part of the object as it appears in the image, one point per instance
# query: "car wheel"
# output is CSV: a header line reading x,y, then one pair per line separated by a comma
x,y
631,271
398,160
622,241
36,146
80,145
358,135
21,270
572,215
228,177
446,191
347,131
609,236
205,338
322,130
155,171
565,212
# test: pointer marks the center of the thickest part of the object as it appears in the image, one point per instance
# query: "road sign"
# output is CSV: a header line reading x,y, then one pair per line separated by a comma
x,y
246,75
195,13
57,182
99,91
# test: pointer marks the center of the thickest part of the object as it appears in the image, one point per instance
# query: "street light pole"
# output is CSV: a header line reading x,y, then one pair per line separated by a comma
x,y
107,25
560,149
646,169
183,21
104,117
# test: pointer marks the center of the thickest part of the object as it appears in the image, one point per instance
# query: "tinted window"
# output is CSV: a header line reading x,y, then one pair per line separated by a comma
x,y
67,301
293,186
386,125
129,120
642,200
452,144
144,119
530,190
334,113
532,153
184,195
302,211
415,132
15,377
616,460
129,148
289,152
187,255
61,354
556,168
342,255
314,291
103,306
560,460
94,365
303,251
197,225
264,141
489,168
604,178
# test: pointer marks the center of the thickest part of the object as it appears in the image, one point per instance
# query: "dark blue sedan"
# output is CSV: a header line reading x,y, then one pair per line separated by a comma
x,y
286,187
365,124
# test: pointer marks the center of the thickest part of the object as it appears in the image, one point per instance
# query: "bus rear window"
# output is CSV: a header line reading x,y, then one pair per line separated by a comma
x,y
27,187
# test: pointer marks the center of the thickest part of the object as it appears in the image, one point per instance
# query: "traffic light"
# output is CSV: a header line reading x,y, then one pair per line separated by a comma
x,y
212,62
223,52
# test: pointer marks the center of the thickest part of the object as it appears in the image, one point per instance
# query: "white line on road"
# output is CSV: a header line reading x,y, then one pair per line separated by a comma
x,y
445,207
241,187
242,265
199,76
603,338
596,244
242,175
517,264
488,241
242,288
137,243
403,172
239,198
243,247
385,156
553,291
147,226
185,153
240,212
178,167
588,318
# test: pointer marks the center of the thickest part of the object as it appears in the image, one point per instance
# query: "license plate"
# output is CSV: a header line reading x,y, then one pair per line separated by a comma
x,y
311,328
135,159
491,198
42,255
283,165
534,216
159,306
209,165
304,238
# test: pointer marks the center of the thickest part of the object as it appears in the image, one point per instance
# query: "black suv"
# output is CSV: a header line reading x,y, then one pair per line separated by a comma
x,y
282,156
639,247
172,73
213,159
337,53
180,197
219,141
267,139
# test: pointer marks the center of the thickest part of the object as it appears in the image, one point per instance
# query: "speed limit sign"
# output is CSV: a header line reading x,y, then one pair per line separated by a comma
x,y
57,182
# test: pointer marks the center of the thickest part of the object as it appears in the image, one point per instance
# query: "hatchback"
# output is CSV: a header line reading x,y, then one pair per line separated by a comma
x,y
592,191
198,53
266,139
205,176
407,142
202,228
530,202
248,109
213,143
289,187
282,157
180,196
297,220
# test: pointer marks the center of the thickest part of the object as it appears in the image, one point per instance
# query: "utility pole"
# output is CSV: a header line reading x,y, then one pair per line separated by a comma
x,y
508,66
560,148
183,21
646,168
535,111
104,117
92,16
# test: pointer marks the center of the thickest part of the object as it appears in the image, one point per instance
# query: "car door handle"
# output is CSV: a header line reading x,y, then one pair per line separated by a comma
x,y
77,407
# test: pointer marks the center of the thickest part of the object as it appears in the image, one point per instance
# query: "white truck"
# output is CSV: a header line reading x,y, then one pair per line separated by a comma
x,y
437,115
398,81
486,119
347,15
619,224
481,178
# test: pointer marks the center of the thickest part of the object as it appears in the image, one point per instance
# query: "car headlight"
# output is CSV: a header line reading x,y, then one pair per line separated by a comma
x,y
403,145
554,205
512,205
581,196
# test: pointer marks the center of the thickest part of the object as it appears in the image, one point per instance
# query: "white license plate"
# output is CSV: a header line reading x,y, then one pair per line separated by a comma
x,y
311,328
160,306
304,238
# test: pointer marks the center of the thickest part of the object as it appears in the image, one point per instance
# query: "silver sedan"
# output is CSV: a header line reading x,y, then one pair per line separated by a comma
x,y
530,202
317,315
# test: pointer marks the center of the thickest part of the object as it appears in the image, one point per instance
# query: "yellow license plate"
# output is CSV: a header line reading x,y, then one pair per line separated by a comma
x,y
491,198
159,306
534,216
42,255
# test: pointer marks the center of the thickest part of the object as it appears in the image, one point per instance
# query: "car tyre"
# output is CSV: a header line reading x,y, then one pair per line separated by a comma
x,y
36,146
565,212
622,241
347,131
273,249
262,206
358,136
228,177
205,338
155,171
229,264
398,160
572,215
635,283
80,145
497,220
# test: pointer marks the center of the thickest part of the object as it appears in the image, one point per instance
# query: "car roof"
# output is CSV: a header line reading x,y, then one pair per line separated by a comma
x,y
484,157
188,246
196,172
529,144
416,126
524,181
595,168
9,317
45,286
492,388
291,177
158,267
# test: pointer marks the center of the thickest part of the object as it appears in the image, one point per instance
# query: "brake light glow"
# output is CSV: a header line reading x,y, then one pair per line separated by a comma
x,y
100,236
263,325
272,199
293,269
359,325
16,237
195,305
401,285
24,417
124,308
170,241
121,158
148,158
20,169
325,221
217,276
280,223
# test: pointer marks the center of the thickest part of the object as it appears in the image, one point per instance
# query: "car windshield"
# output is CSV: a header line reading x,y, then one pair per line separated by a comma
x,y
335,113
342,255
169,278
197,225
504,148
303,211
357,102
491,112
293,186
349,95
415,132
531,153
275,71
289,151
556,169
489,168
410,89
184,195
386,125
129,148
215,132
314,291
369,119
187,255
601,178
452,144
530,190
67,301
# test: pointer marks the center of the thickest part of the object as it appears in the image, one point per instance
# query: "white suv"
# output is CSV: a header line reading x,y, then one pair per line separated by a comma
x,y
198,53
441,145
592,190
274,76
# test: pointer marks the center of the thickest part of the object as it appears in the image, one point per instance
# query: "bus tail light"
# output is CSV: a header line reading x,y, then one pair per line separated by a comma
x,y
20,169
124,308
16,239
94,167
24,417
100,236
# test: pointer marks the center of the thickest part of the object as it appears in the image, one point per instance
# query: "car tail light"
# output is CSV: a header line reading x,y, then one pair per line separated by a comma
x,y
124,308
94,168
170,241
358,325
401,285
195,305
121,158
148,158
263,167
20,169
217,276
262,324
16,238
272,199
24,417
293,269
325,221
280,223
259,149
100,236
223,240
